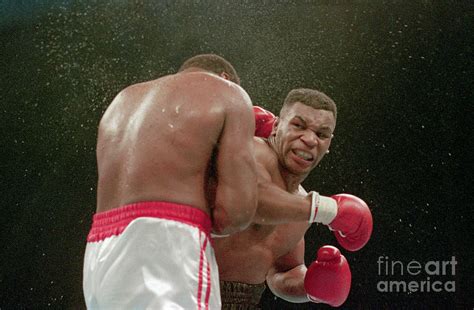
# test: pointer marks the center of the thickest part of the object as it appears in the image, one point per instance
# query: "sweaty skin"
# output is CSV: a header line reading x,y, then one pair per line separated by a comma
x,y
158,139
248,255
272,248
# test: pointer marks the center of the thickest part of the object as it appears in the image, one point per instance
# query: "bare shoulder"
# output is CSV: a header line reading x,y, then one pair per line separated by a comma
x,y
126,96
141,87
265,154
217,86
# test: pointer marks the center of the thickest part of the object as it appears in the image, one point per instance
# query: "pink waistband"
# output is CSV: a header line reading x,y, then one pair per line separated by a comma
x,y
113,222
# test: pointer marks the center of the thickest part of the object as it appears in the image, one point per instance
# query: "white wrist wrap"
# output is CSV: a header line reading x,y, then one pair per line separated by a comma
x,y
323,209
213,235
314,205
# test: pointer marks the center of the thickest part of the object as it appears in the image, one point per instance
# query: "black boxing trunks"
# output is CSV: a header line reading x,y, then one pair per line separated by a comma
x,y
241,296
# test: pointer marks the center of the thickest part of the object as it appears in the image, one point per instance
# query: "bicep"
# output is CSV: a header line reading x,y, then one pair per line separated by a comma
x,y
235,148
236,191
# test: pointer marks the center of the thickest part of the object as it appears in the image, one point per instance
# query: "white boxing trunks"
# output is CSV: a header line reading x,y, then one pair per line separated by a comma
x,y
151,255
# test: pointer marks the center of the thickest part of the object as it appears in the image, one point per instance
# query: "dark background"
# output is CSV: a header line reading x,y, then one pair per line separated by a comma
x,y
400,72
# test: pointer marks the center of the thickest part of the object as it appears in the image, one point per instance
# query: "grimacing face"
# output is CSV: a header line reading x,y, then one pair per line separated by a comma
x,y
302,137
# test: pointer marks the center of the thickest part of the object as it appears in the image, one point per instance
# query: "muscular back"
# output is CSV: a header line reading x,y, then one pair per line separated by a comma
x,y
157,138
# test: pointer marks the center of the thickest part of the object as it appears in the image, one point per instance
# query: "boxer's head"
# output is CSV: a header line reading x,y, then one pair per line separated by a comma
x,y
303,132
214,64
310,97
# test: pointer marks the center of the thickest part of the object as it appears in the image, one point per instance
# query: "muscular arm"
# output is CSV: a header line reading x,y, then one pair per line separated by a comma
x,y
236,192
277,206
286,277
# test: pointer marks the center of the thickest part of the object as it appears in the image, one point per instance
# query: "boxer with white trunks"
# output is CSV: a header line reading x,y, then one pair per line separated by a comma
x,y
271,250
149,246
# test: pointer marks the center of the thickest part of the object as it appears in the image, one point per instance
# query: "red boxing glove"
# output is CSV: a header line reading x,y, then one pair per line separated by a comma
x,y
263,122
328,278
348,215
353,222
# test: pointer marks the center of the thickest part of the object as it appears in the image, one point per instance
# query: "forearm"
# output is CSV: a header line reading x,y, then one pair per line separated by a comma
x,y
289,285
277,206
236,195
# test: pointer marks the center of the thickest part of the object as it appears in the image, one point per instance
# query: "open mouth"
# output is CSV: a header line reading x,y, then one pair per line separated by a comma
x,y
306,156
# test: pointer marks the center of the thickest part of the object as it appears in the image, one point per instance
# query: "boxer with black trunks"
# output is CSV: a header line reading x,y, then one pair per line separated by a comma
x,y
149,246
271,250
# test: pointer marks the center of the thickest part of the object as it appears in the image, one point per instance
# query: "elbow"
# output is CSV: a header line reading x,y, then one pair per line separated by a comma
x,y
233,217
225,224
289,294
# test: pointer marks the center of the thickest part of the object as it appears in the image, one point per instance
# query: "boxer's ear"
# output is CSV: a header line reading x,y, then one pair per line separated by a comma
x,y
275,126
225,76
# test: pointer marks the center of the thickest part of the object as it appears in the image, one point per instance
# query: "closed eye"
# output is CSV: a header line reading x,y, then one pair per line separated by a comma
x,y
324,135
299,125
299,122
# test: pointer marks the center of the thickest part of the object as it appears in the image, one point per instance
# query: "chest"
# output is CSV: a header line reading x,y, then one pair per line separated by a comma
x,y
279,239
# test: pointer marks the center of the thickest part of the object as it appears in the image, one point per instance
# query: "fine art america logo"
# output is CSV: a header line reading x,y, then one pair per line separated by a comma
x,y
401,277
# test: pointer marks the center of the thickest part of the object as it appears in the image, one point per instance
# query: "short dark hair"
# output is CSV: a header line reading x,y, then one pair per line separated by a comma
x,y
212,63
312,98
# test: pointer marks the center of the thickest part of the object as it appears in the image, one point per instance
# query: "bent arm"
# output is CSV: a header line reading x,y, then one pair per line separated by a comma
x,y
236,191
286,277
